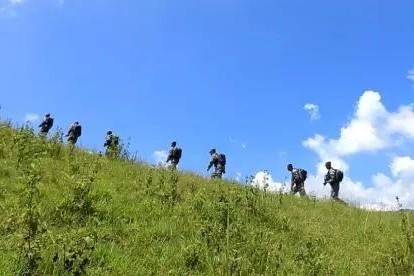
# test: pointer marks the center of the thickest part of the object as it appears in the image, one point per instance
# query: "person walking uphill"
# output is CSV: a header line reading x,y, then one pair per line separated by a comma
x,y
112,145
75,131
174,155
46,125
298,180
334,177
219,163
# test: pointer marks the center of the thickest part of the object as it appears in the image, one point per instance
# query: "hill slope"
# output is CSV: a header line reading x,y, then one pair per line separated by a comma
x,y
68,211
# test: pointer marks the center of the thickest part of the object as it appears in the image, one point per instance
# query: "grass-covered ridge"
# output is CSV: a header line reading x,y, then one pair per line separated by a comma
x,y
67,212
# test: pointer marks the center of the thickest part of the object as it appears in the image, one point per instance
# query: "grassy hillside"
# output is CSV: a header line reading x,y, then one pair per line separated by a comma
x,y
67,212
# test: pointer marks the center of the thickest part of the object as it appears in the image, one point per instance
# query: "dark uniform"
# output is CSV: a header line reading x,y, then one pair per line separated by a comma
x,y
219,167
75,131
46,125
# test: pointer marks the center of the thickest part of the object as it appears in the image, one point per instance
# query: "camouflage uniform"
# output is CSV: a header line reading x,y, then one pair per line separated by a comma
x,y
330,178
46,125
112,146
173,158
298,184
219,169
73,133
108,140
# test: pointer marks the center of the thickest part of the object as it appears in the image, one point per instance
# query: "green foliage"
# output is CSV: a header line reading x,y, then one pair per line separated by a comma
x,y
401,260
28,154
68,212
73,253
79,207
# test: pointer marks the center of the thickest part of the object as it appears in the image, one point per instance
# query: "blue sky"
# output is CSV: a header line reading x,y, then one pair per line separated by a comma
x,y
230,74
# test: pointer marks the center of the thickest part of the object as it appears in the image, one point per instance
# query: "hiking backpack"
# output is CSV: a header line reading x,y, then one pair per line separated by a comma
x,y
339,176
49,123
115,140
177,152
222,159
78,131
303,174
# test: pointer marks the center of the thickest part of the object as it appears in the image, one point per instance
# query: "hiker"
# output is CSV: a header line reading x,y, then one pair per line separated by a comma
x,y
218,160
75,131
174,155
298,180
334,177
46,125
111,144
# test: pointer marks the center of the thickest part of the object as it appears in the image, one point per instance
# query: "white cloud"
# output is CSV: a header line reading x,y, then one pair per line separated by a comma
x,y
160,156
16,2
264,180
313,111
382,193
372,129
402,122
402,166
410,75
238,176
8,8
380,196
31,117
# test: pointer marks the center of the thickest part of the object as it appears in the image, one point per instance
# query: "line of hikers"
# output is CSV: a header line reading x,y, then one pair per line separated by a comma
x,y
75,130
218,160
333,177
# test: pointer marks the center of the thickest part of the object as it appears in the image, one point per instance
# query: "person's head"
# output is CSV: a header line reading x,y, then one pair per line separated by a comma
x,y
76,123
290,167
174,144
328,165
47,115
109,132
212,151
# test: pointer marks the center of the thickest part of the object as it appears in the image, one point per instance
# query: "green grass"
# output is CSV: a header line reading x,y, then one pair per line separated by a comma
x,y
100,216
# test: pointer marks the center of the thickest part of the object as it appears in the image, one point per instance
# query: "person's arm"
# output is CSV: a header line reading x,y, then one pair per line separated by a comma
x,y
211,163
328,178
106,142
69,131
294,178
169,158
42,123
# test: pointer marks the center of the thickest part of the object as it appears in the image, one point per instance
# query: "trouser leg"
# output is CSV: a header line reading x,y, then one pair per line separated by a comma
x,y
335,191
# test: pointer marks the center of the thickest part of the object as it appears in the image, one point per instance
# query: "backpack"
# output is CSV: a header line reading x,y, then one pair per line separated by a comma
x,y
339,176
115,140
78,131
177,152
222,159
303,174
49,122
